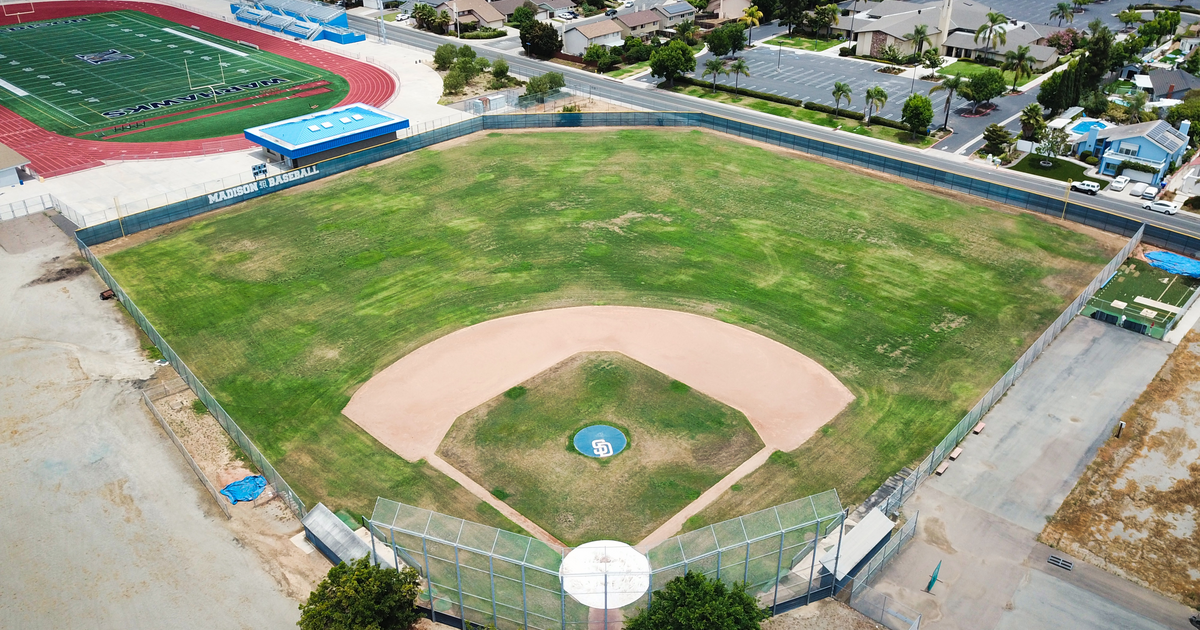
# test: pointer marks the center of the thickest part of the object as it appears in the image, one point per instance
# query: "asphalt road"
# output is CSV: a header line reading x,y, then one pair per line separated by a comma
x,y
645,97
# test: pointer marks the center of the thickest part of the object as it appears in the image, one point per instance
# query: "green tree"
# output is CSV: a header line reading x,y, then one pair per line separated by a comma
x,y
694,602
523,15
714,66
540,39
686,30
997,138
1020,63
917,114
544,83
361,595
1096,64
840,91
442,21
500,69
931,60
919,37
877,98
1128,17
717,41
739,68
949,85
1137,107
444,56
736,36
984,87
424,15
825,17
1032,122
1062,11
993,30
1095,103
1053,144
750,17
671,61
454,82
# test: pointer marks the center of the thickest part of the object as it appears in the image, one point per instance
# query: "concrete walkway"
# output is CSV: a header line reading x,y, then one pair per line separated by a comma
x,y
981,519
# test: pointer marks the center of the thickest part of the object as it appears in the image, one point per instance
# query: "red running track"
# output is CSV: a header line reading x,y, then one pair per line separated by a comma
x,y
53,154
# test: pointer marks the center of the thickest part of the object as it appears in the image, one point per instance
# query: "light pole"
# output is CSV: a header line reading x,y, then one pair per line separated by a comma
x,y
1066,198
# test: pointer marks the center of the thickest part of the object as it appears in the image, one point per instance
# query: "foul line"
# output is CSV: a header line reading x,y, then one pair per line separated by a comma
x,y
206,42
12,88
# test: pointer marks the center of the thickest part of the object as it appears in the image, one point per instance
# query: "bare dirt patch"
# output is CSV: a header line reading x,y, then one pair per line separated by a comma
x,y
59,271
1134,511
826,614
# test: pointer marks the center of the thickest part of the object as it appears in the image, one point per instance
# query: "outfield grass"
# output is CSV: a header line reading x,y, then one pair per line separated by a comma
x,y
916,301
799,113
519,446
1062,170
805,43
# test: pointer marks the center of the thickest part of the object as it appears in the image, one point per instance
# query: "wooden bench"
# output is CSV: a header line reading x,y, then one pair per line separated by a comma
x,y
955,453
978,428
941,469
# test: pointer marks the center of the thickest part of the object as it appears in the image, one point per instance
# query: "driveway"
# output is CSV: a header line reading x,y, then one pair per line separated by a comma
x,y
104,524
982,517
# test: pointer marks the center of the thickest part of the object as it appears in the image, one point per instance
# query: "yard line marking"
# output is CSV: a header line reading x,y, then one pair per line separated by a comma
x,y
206,42
12,88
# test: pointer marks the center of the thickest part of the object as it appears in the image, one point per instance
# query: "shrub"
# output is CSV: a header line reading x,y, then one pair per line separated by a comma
x,y
845,51
362,595
818,107
453,83
444,56
1135,166
490,33
794,102
1085,155
1091,161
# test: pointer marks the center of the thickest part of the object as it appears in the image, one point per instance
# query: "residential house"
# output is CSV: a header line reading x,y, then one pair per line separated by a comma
x,y
472,12
555,7
507,7
640,24
605,33
950,25
675,12
726,10
1155,144
1162,84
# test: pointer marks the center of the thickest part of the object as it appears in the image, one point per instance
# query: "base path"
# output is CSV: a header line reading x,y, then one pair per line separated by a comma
x,y
410,405
53,154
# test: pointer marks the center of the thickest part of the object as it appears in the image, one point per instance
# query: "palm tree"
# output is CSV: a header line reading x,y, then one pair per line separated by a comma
x,y
1137,106
1019,62
1032,121
686,30
991,32
949,85
739,67
714,67
750,16
876,98
919,36
1062,11
840,91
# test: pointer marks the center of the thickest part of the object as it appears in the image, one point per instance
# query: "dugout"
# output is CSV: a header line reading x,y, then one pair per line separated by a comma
x,y
311,138
12,165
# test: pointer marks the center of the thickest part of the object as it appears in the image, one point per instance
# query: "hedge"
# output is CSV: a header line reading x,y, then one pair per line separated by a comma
x,y
794,102
888,122
1160,7
844,113
1135,166
483,34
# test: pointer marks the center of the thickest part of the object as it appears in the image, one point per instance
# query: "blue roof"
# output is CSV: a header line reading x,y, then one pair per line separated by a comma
x,y
314,133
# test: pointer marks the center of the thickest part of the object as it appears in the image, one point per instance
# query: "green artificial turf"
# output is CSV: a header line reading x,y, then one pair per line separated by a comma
x,y
155,61
917,302
681,442
1137,278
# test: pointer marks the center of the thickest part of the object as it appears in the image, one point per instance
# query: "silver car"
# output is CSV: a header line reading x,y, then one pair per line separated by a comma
x,y
1119,184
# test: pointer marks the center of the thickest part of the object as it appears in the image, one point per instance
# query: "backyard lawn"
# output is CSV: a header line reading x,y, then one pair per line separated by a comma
x,y
916,301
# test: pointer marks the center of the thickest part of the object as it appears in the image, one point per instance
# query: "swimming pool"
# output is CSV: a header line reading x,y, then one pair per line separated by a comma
x,y
1087,125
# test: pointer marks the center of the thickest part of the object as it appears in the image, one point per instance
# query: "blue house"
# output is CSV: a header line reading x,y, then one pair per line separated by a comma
x,y
1155,144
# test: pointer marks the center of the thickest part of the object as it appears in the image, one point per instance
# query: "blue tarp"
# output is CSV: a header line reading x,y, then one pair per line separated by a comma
x,y
1174,263
246,489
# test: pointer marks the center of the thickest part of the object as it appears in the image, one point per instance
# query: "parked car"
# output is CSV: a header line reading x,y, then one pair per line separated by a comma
x,y
1119,184
1165,207
610,13
1090,188
568,15
627,4
1150,193
1138,189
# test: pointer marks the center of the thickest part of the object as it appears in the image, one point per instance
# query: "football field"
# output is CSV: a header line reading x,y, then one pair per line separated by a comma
x,y
129,76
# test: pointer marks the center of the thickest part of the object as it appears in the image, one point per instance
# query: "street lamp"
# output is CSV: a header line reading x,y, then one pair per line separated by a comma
x,y
1066,198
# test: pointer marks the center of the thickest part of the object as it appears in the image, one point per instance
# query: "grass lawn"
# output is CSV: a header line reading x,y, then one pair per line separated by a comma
x,y
1062,170
807,115
918,302
519,445
628,70
966,68
806,43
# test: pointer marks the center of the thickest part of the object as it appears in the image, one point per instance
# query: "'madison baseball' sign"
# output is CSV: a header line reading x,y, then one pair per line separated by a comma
x,y
257,185
600,440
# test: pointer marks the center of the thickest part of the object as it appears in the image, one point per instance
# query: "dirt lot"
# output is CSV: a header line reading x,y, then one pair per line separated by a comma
x,y
826,614
1134,511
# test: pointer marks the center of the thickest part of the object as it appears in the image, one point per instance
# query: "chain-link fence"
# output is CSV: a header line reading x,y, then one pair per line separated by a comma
x,y
892,504
884,609
281,487
40,203
485,575
885,555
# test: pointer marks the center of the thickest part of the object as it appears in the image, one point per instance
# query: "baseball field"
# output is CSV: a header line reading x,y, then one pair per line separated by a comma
x,y
917,301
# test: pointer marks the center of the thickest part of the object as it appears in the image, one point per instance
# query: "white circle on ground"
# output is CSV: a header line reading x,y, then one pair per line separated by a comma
x,y
605,574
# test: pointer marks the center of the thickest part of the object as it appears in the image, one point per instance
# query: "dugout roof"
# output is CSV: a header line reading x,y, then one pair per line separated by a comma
x,y
330,129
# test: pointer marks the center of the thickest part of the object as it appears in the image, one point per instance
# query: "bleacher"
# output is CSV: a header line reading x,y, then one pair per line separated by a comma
x,y
298,18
